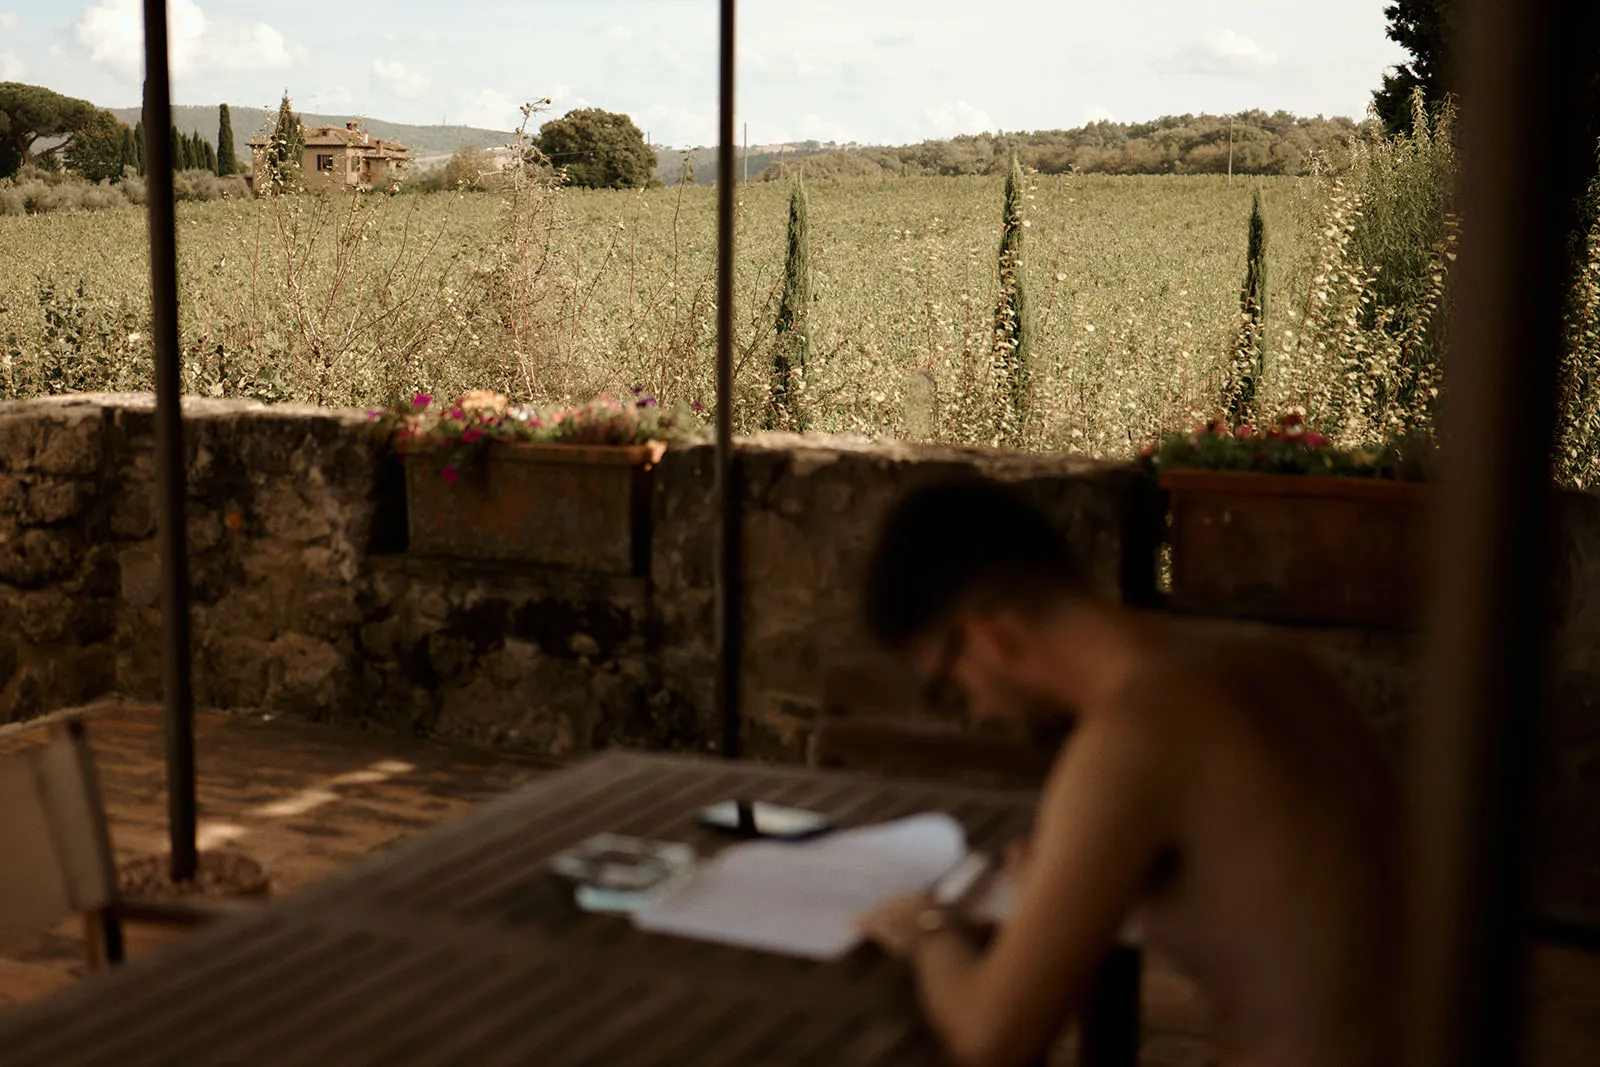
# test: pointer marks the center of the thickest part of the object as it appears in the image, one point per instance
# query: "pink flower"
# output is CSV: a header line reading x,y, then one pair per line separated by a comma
x,y
469,436
421,400
374,415
449,473
1315,440
457,414
1242,432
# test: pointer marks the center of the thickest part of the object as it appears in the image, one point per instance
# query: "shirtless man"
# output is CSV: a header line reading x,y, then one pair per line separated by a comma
x,y
1224,795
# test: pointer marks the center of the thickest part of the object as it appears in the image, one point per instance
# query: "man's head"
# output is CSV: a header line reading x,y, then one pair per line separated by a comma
x,y
962,578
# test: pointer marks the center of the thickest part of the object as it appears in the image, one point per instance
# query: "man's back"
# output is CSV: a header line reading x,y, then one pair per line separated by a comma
x,y
1279,889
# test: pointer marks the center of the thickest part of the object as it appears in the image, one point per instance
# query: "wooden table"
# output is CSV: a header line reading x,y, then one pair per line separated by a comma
x,y
459,948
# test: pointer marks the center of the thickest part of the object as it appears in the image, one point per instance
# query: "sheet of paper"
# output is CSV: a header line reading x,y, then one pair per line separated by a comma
x,y
802,898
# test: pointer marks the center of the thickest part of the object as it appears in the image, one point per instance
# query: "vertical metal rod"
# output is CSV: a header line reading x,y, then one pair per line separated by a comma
x,y
171,494
727,570
1485,683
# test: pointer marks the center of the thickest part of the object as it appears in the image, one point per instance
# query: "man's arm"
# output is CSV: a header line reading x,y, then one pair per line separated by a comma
x,y
1105,815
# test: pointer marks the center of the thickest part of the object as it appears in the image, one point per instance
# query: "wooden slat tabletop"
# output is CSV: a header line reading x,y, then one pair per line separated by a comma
x,y
459,947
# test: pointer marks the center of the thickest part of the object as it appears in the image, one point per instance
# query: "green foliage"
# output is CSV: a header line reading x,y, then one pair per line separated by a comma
x,y
1249,355
1427,30
10,156
1577,450
139,144
792,350
1012,346
285,153
227,155
1277,143
455,435
98,149
31,112
597,149
1289,448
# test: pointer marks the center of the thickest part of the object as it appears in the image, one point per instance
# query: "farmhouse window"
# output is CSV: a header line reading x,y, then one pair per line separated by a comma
x,y
325,162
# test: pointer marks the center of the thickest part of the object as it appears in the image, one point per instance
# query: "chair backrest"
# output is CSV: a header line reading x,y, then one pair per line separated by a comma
x,y
55,851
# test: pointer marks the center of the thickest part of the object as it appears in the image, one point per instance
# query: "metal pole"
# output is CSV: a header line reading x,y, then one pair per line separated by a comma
x,y
170,490
727,571
1485,682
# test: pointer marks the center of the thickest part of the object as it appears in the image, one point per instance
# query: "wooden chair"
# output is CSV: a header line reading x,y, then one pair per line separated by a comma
x,y
887,742
55,851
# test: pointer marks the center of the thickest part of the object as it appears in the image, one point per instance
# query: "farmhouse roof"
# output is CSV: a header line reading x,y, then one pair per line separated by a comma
x,y
346,136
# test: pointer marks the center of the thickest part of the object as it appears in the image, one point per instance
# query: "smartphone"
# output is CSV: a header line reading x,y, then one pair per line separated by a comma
x,y
756,819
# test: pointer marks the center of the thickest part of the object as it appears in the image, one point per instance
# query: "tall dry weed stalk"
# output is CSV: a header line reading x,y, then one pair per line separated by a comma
x,y
1363,354
1577,450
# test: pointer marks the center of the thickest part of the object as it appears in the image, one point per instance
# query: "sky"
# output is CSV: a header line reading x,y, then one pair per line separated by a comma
x,y
870,71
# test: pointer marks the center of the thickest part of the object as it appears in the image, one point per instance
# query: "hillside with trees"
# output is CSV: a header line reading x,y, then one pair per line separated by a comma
x,y
1261,143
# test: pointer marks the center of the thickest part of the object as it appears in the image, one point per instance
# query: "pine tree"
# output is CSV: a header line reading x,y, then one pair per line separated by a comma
x,y
793,348
1249,354
227,155
1013,330
286,149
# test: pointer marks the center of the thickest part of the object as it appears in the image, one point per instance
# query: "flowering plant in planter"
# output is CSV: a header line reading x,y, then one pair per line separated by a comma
x,y
457,433
1289,447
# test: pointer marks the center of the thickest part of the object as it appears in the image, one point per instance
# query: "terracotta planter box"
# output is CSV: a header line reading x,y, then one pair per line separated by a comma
x,y
585,507
1296,548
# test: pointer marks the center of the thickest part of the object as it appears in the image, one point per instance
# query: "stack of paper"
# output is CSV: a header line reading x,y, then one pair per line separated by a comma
x,y
802,899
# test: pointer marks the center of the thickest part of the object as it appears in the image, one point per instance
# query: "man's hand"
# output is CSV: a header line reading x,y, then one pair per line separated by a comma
x,y
892,924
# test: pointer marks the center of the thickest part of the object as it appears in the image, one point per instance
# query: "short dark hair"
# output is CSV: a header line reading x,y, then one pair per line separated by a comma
x,y
945,546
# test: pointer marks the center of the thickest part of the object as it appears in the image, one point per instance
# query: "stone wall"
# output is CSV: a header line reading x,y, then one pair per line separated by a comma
x,y
306,601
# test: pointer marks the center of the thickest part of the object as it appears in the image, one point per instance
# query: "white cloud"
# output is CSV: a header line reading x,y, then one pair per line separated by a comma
x,y
947,120
689,125
12,69
490,109
1224,52
1095,114
893,40
113,33
8,20
619,33
401,80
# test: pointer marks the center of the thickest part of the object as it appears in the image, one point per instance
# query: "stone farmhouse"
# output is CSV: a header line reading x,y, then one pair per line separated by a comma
x,y
343,159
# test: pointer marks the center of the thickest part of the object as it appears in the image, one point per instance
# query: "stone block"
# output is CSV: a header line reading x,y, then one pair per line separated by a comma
x,y
303,675
34,557
232,671
52,615
140,569
133,510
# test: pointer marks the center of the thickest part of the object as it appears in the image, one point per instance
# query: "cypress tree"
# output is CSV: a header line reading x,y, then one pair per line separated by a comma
x,y
793,347
180,150
286,149
1013,330
138,141
227,155
210,154
130,149
1249,354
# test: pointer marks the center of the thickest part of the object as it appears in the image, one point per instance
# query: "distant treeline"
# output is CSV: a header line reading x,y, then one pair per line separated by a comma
x,y
1262,143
